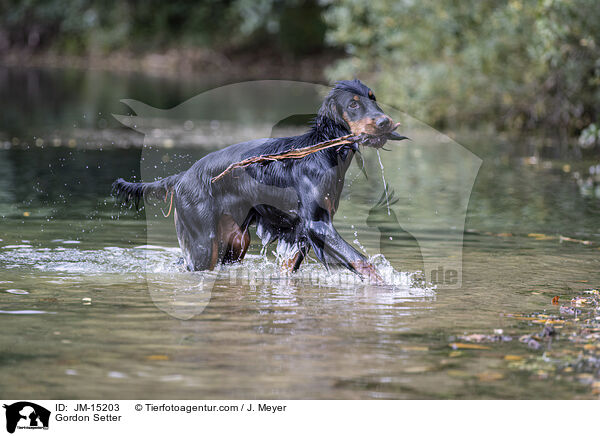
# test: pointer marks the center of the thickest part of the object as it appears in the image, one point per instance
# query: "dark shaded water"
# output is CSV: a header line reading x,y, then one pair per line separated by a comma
x,y
81,289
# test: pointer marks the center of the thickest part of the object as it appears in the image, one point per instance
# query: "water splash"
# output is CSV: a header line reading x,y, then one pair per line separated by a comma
x,y
387,200
160,267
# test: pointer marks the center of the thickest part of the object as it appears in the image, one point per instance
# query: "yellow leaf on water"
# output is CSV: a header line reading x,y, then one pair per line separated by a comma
x,y
548,321
157,357
455,354
415,348
541,236
585,376
489,376
456,345
512,357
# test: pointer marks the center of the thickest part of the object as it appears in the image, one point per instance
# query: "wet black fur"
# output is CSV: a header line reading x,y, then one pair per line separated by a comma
x,y
293,200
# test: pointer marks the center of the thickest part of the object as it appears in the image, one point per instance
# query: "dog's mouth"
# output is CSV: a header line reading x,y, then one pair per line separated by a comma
x,y
379,139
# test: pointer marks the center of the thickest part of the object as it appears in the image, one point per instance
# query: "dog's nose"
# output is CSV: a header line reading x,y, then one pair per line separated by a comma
x,y
383,122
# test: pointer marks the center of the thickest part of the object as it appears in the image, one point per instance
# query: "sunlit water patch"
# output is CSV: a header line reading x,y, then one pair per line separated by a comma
x,y
24,312
17,291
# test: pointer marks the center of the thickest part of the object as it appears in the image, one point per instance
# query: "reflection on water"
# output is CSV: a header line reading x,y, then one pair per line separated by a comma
x,y
80,286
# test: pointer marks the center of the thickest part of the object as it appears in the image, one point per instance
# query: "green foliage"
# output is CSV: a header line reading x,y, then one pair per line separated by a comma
x,y
590,136
84,26
517,64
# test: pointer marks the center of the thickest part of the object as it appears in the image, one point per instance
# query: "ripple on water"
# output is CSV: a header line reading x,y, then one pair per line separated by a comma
x,y
17,291
66,241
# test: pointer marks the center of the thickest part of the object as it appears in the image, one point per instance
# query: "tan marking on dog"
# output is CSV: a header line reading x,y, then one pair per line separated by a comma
x,y
329,205
356,97
231,237
365,125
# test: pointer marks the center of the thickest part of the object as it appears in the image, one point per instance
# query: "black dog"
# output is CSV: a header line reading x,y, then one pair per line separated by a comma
x,y
291,201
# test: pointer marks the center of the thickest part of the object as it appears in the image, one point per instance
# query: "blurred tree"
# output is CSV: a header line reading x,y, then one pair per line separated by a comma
x,y
517,64
84,26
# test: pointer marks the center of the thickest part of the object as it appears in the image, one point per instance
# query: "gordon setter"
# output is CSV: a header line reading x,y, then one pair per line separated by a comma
x,y
291,202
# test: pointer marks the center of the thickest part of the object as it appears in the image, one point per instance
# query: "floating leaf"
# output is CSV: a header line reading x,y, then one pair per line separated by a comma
x,y
565,238
415,348
157,357
541,237
512,357
489,376
549,321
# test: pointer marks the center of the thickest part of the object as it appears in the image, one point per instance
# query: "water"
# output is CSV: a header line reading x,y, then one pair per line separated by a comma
x,y
385,190
81,316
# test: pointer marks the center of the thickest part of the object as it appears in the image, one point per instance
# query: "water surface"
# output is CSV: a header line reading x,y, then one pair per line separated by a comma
x,y
79,318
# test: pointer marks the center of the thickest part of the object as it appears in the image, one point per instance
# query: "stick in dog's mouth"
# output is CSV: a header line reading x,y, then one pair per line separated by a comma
x,y
378,141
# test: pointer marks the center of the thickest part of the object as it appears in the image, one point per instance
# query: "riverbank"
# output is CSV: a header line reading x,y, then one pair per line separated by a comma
x,y
183,63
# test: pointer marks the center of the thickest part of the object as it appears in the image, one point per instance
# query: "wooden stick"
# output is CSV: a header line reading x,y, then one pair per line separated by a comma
x,y
297,153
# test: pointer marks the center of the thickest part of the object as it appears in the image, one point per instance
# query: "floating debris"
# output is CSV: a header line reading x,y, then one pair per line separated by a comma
x,y
513,357
157,357
486,338
580,241
548,331
489,376
566,310
578,359
540,236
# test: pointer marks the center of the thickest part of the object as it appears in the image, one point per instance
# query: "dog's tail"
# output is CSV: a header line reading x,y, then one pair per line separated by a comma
x,y
128,193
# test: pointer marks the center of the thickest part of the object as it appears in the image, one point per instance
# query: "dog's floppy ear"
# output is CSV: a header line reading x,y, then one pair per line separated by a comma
x,y
330,112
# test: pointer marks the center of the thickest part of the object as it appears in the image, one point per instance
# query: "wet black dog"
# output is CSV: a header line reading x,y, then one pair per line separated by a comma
x,y
291,201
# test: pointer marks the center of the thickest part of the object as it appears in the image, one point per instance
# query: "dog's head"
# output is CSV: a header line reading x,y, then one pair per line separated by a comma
x,y
353,105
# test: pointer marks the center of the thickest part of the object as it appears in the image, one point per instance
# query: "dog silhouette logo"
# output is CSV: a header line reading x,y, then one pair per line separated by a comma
x,y
26,415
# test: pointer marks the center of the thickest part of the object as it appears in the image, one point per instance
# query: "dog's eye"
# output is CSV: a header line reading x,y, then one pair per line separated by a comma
x,y
353,104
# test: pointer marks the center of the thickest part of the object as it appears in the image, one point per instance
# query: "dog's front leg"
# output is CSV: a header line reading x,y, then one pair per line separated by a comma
x,y
316,210
331,249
